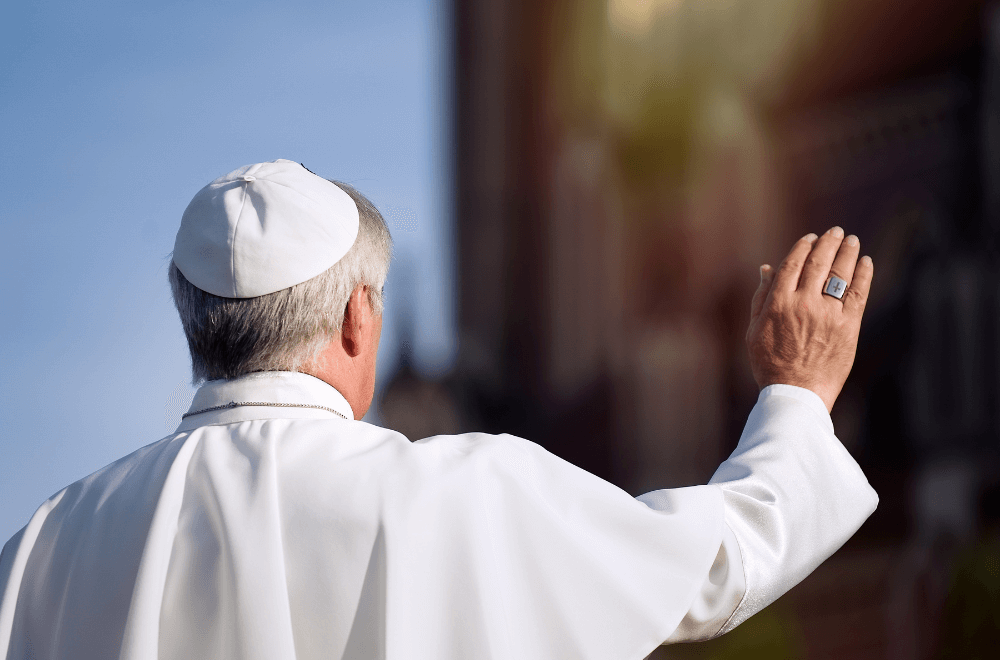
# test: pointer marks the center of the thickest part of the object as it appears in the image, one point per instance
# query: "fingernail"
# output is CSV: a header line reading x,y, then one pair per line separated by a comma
x,y
866,260
836,232
852,240
810,238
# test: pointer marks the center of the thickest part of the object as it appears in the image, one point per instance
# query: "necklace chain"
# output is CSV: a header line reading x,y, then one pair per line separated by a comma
x,y
237,404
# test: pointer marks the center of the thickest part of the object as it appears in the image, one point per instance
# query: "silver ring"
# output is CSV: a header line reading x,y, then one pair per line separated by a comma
x,y
835,287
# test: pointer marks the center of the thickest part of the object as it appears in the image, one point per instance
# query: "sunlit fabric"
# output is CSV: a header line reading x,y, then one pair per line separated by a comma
x,y
283,532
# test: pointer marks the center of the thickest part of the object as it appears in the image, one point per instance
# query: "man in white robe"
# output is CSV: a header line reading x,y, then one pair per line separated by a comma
x,y
271,524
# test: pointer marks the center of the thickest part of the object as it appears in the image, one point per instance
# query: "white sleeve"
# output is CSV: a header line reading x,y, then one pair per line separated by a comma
x,y
793,495
720,595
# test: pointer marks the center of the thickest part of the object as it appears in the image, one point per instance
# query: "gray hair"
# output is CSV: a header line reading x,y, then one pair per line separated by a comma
x,y
282,331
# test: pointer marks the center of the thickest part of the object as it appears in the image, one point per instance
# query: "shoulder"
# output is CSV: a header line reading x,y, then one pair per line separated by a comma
x,y
515,466
484,451
313,450
125,477
459,464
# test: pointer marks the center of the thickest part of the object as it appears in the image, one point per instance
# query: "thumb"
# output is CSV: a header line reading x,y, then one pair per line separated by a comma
x,y
757,304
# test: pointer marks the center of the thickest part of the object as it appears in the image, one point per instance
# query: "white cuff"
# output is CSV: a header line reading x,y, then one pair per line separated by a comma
x,y
807,397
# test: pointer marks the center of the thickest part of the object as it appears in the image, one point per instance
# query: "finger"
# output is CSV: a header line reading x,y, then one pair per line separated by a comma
x,y
857,294
820,260
787,277
757,304
846,260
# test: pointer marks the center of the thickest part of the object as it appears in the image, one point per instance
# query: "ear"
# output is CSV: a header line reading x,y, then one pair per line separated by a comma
x,y
357,317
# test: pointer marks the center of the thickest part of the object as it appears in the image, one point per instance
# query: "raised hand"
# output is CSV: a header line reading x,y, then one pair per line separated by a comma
x,y
800,336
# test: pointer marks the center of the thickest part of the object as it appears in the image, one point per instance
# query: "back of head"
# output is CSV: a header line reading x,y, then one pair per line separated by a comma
x,y
281,330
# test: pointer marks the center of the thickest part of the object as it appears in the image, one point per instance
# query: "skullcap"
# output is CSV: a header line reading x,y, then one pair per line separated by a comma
x,y
263,228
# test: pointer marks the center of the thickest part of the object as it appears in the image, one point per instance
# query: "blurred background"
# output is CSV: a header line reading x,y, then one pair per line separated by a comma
x,y
581,194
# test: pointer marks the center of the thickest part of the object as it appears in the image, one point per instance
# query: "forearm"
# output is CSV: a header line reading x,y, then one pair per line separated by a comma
x,y
793,495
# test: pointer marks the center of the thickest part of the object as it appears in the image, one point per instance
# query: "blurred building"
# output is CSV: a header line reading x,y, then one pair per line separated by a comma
x,y
622,169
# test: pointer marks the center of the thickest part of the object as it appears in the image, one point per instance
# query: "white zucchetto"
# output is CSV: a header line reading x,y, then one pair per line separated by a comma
x,y
263,228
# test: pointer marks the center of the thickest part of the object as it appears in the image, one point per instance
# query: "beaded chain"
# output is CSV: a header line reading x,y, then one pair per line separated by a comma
x,y
236,404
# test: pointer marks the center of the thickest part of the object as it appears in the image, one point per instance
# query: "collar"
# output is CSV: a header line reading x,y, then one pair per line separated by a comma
x,y
266,387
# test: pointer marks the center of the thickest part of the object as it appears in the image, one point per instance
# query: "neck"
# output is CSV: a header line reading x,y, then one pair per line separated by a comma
x,y
347,375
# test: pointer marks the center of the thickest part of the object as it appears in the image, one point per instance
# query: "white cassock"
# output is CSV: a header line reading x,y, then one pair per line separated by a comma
x,y
285,532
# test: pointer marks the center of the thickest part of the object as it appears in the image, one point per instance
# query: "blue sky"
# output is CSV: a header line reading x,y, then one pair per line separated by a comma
x,y
112,116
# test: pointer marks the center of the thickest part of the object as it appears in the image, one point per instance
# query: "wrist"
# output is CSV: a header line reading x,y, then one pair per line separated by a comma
x,y
805,396
826,394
